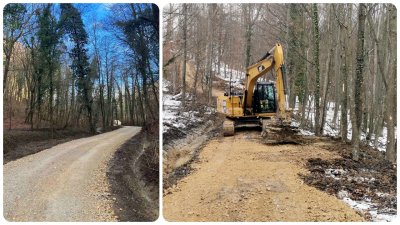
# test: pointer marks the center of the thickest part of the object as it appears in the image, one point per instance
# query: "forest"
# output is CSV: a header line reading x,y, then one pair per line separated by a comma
x,y
80,66
80,81
340,62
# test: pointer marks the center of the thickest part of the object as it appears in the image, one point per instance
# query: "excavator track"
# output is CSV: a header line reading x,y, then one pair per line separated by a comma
x,y
229,128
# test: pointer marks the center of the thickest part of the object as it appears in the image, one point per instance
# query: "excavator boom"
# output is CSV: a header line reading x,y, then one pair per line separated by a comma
x,y
272,60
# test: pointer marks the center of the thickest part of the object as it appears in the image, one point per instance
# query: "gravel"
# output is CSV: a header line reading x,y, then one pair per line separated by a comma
x,y
64,183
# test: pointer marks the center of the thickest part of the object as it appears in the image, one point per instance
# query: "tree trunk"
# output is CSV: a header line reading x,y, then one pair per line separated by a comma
x,y
316,67
209,49
7,62
184,33
248,31
391,92
325,90
358,83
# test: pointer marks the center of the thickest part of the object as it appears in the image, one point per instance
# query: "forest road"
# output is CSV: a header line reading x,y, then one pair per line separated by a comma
x,y
67,182
241,179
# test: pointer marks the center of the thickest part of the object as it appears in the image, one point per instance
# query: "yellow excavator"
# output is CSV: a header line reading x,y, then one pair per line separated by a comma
x,y
262,104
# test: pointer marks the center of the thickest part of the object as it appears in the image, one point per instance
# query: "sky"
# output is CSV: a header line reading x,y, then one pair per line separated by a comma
x,y
99,13
95,13
90,11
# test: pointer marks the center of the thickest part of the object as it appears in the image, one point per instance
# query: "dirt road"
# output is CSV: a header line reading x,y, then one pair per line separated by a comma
x,y
64,183
240,179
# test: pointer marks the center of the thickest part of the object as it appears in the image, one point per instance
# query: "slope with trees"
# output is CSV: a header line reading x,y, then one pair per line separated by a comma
x,y
66,67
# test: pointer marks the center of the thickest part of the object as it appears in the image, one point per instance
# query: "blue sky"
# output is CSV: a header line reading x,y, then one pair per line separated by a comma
x,y
99,13
96,13
89,14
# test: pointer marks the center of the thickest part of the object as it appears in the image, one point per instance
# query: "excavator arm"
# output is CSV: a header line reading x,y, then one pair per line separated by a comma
x,y
273,59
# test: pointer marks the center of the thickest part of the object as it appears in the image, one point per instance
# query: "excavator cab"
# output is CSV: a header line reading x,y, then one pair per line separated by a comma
x,y
264,98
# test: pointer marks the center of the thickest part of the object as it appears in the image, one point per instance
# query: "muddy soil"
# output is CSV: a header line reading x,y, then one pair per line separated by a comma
x,y
22,142
181,148
371,180
240,178
134,178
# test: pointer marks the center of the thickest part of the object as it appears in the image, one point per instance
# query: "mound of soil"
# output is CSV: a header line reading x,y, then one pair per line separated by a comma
x,y
282,135
134,177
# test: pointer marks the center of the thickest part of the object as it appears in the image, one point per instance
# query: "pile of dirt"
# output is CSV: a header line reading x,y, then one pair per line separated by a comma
x,y
371,180
282,135
133,175
22,142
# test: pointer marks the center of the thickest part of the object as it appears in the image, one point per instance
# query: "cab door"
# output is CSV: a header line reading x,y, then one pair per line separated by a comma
x,y
265,98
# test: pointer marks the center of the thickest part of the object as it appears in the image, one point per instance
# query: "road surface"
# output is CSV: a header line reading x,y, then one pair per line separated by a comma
x,y
240,179
67,182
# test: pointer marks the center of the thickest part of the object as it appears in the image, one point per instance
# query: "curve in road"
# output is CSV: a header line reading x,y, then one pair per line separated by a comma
x,y
67,182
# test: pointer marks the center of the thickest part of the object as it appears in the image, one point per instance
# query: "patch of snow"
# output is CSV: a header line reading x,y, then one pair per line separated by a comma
x,y
332,127
302,131
173,114
358,205
306,132
382,217
366,205
210,110
381,194
230,75
335,172
295,123
342,194
170,101
165,85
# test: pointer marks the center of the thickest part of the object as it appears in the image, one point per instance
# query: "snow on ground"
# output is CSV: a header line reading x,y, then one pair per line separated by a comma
x,y
366,205
302,131
165,85
227,74
332,128
173,114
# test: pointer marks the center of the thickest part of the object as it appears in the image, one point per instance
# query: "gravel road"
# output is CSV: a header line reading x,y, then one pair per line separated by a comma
x,y
240,179
67,182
